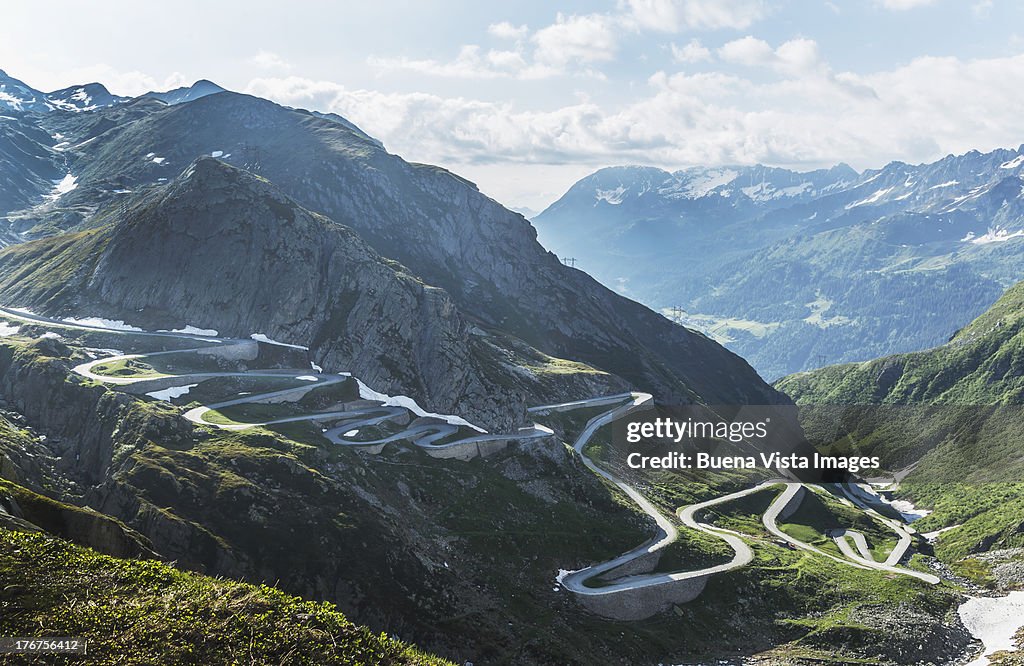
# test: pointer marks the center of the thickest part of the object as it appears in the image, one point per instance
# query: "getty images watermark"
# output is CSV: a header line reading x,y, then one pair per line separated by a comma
x,y
949,443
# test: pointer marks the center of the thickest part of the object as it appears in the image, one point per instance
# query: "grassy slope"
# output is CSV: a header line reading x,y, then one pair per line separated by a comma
x,y
140,611
954,408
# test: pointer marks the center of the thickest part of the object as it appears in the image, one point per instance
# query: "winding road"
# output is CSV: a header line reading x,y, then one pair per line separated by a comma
x,y
576,581
427,435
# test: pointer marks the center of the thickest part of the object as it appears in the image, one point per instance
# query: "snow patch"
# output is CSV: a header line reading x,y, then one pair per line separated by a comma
x,y
994,621
992,236
50,335
169,394
193,330
99,322
307,378
1013,164
935,535
159,160
316,367
612,197
695,184
946,184
766,192
7,330
871,199
217,153
405,402
562,573
909,512
63,186
259,337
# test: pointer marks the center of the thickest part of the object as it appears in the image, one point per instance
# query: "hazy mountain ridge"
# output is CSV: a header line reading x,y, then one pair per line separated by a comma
x,y
794,279
980,365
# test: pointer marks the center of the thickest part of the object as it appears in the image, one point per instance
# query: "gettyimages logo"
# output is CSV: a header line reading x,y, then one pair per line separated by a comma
x,y
720,438
823,444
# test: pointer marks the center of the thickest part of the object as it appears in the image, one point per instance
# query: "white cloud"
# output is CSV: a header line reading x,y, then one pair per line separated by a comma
x,y
903,5
693,52
575,43
678,15
470,63
506,30
269,60
570,45
796,57
810,117
748,51
584,39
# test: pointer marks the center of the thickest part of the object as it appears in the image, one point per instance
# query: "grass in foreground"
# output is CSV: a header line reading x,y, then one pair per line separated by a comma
x,y
146,612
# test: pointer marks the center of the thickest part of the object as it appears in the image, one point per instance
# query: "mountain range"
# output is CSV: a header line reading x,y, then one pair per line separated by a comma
x,y
230,213
482,259
796,270
248,341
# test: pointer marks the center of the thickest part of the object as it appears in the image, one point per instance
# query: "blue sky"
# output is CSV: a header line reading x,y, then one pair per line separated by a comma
x,y
524,98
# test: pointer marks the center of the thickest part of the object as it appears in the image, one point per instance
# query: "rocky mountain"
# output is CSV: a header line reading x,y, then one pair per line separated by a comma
x,y
16,96
220,248
231,212
29,166
436,224
83,98
788,269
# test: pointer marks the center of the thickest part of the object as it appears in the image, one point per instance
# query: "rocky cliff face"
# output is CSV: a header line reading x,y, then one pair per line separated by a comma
x,y
219,248
28,168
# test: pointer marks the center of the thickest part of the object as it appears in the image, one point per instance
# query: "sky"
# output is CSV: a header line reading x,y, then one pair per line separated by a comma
x,y
525,98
